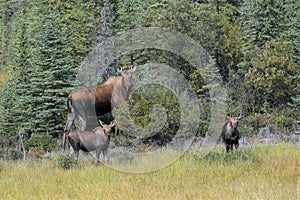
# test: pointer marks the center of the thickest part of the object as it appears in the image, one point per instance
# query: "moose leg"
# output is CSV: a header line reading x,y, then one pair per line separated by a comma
x,y
76,156
82,125
64,141
70,120
231,146
104,152
227,146
74,147
97,156
236,144
227,142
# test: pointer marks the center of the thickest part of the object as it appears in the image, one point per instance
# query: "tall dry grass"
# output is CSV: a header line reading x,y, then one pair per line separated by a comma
x,y
264,172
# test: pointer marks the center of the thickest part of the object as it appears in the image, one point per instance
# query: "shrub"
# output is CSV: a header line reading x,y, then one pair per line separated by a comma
x,y
11,154
284,119
36,151
66,161
41,141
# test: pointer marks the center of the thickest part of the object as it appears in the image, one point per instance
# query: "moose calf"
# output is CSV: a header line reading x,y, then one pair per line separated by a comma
x,y
230,133
87,141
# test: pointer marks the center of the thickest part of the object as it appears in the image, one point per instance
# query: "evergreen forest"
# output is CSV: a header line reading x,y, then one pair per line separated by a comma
x,y
255,45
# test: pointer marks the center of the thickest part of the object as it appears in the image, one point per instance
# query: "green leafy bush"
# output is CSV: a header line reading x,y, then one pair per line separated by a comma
x,y
284,119
66,161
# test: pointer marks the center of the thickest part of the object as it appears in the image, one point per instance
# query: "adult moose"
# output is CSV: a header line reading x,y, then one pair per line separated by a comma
x,y
97,100
230,133
96,140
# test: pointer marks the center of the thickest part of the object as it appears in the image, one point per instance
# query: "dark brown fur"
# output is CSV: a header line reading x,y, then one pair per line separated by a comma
x,y
230,133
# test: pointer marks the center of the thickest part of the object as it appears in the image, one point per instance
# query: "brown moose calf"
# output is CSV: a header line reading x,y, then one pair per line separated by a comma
x,y
96,140
230,133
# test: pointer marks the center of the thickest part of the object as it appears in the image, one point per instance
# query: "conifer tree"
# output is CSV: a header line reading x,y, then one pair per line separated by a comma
x,y
50,76
292,33
268,63
16,61
262,21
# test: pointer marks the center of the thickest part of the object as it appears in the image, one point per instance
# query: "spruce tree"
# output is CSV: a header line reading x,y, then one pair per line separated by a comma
x,y
16,63
292,33
268,65
262,21
51,77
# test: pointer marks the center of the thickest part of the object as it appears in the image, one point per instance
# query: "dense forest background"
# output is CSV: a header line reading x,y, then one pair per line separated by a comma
x,y
254,43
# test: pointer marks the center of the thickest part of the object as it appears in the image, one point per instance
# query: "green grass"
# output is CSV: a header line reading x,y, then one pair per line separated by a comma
x,y
263,172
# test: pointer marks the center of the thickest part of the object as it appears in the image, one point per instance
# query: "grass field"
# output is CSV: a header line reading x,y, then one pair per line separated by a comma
x,y
263,172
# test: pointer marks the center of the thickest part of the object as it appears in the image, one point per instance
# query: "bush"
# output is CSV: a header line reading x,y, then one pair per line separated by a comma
x,y
36,151
10,154
284,119
41,142
287,118
66,161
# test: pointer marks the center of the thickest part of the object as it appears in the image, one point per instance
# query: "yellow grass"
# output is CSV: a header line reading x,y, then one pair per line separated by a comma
x,y
263,172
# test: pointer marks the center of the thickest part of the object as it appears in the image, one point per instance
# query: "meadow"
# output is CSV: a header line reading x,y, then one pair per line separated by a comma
x,y
260,172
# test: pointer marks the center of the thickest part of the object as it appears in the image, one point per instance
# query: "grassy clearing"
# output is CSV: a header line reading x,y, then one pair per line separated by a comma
x,y
266,172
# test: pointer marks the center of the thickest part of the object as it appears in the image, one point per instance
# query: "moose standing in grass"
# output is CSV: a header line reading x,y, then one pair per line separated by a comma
x,y
230,133
97,100
96,140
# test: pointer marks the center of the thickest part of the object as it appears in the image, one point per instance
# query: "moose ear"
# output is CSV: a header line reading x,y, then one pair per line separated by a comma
x,y
228,115
133,67
112,123
120,69
239,116
101,123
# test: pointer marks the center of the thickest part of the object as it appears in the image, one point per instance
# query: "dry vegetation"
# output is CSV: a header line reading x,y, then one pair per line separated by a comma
x,y
264,172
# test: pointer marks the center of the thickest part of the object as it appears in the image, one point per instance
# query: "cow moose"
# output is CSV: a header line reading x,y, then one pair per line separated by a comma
x,y
96,140
230,133
97,100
